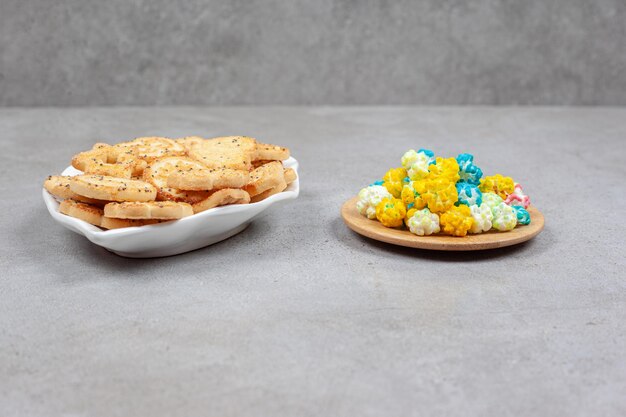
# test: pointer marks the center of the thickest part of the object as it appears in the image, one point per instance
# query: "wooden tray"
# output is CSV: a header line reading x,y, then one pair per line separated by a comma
x,y
490,240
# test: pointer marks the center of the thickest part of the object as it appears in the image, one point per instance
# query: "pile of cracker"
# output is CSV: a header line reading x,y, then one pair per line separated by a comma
x,y
154,179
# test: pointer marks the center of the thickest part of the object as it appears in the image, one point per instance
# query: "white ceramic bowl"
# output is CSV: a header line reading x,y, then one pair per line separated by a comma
x,y
179,236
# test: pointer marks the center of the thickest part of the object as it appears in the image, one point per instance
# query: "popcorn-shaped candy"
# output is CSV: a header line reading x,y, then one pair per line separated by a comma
x,y
420,186
504,218
394,188
457,221
469,194
390,212
491,200
410,196
395,175
517,197
523,216
430,154
446,168
482,218
423,223
440,194
408,159
369,198
416,163
498,184
393,181
468,172
410,211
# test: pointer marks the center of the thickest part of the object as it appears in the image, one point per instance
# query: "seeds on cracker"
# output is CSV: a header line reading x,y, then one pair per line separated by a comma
x,y
189,141
221,158
103,168
264,151
265,177
159,171
103,187
59,187
149,149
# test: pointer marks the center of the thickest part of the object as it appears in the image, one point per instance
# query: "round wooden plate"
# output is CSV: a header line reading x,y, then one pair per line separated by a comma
x,y
490,240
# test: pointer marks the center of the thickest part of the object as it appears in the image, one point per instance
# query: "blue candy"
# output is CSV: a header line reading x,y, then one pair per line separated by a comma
x,y
377,183
468,172
523,217
469,194
430,154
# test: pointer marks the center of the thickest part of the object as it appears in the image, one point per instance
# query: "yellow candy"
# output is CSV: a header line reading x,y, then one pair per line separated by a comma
x,y
394,181
420,186
410,195
395,175
440,195
391,212
409,213
498,184
457,220
447,168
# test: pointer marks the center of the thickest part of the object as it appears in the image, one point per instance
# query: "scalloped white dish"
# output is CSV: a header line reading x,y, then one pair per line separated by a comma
x,y
178,236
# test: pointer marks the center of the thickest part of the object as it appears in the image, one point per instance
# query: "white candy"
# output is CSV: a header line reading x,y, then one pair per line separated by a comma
x,y
408,159
424,223
504,217
416,164
482,218
369,198
491,200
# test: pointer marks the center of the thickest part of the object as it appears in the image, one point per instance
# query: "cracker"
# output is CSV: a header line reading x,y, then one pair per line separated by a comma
x,y
189,141
258,163
214,157
207,179
160,210
265,177
265,151
99,155
138,165
244,144
102,187
110,223
88,213
121,182
148,149
290,175
158,172
222,198
113,170
59,187
268,193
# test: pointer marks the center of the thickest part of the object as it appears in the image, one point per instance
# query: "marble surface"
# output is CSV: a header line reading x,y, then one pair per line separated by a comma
x,y
302,52
298,315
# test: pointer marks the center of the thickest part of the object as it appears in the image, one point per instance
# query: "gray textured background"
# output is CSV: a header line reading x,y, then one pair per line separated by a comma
x,y
156,52
298,316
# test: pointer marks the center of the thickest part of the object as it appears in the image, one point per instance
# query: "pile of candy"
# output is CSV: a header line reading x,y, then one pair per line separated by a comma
x,y
429,194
